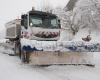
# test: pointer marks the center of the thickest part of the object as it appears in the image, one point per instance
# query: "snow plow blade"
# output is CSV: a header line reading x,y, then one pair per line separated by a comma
x,y
54,52
61,58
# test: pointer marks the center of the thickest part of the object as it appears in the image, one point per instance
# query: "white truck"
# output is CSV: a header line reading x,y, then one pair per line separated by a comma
x,y
36,40
35,25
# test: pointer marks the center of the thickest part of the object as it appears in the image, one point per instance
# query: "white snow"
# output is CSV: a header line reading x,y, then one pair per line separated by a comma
x,y
12,69
3,40
60,45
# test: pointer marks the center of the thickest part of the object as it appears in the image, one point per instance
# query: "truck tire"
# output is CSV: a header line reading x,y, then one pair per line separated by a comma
x,y
23,57
27,57
17,49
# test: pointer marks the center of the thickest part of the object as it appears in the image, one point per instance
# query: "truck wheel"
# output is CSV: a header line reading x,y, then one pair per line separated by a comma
x,y
23,57
17,49
27,57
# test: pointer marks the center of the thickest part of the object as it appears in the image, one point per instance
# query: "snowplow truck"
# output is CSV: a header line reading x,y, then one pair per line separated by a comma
x,y
35,38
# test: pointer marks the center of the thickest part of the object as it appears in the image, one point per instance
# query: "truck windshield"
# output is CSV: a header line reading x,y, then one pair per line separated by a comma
x,y
43,21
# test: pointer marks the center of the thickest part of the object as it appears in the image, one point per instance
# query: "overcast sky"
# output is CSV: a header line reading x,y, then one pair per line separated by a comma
x,y
11,9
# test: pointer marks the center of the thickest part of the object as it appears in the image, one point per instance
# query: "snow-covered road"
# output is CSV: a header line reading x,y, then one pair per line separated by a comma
x,y
12,69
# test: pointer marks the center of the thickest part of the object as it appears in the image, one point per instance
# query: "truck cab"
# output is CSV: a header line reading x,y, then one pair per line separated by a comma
x,y
38,25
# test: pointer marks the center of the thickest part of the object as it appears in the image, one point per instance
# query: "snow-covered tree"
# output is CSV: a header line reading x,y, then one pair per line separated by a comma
x,y
86,15
65,18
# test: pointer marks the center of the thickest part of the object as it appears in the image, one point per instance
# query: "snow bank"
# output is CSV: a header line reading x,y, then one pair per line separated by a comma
x,y
82,33
12,69
3,40
33,45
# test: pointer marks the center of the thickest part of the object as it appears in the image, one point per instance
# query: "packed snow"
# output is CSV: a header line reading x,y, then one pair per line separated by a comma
x,y
11,68
79,46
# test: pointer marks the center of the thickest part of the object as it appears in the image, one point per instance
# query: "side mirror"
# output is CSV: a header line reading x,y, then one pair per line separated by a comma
x,y
59,25
24,21
58,20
